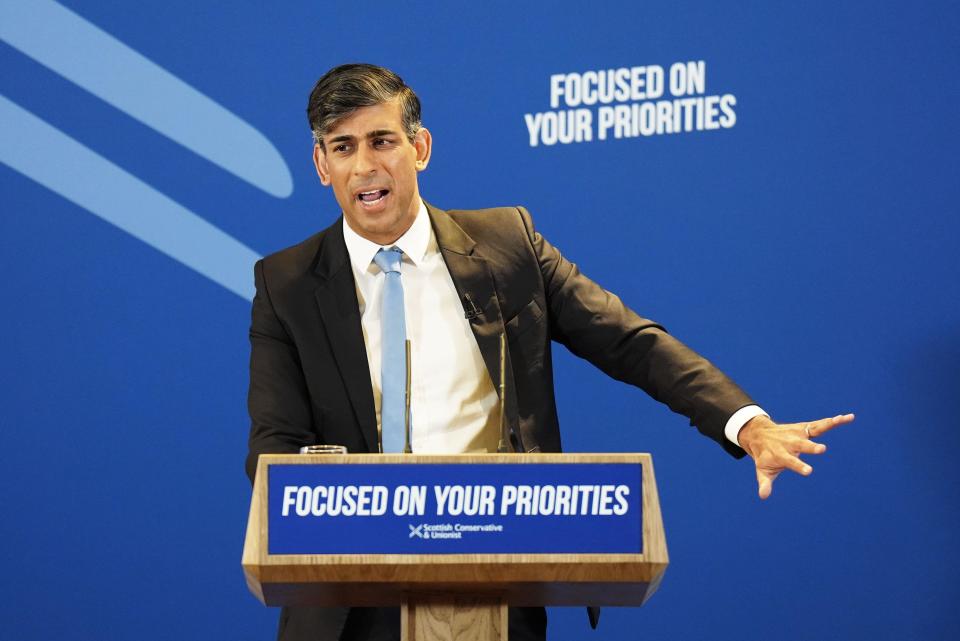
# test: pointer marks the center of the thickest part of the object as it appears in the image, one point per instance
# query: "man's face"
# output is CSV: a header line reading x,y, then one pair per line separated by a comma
x,y
372,167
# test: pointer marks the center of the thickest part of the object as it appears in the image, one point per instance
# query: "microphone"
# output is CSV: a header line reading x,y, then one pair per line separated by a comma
x,y
470,309
503,447
406,409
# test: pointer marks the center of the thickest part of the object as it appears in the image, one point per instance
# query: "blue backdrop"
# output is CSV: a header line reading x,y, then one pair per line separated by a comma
x,y
152,150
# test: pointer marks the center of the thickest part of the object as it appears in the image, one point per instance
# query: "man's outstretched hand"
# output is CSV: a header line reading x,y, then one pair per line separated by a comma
x,y
775,448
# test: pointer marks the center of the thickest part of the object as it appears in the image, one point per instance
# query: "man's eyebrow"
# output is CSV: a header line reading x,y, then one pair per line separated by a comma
x,y
373,134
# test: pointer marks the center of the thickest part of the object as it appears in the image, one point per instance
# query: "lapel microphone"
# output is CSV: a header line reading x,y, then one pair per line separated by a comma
x,y
470,309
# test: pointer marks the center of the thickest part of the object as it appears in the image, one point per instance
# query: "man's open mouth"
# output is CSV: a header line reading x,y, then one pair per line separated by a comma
x,y
372,197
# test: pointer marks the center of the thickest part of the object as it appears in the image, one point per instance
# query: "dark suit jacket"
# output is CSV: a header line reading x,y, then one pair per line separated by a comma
x,y
309,380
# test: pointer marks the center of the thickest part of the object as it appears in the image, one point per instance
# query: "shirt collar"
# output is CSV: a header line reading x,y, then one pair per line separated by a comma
x,y
414,243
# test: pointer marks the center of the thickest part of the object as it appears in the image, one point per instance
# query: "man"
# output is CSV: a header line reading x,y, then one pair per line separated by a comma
x,y
330,313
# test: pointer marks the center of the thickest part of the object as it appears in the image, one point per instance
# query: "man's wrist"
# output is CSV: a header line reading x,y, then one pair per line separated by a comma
x,y
739,420
751,434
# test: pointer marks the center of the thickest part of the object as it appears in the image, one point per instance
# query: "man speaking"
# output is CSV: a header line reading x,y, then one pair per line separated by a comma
x,y
332,315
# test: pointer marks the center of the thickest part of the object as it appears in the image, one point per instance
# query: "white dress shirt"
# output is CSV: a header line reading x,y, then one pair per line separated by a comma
x,y
453,403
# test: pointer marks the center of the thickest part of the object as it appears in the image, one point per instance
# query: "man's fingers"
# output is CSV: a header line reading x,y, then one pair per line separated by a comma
x,y
776,450
809,447
816,428
793,463
765,479
765,486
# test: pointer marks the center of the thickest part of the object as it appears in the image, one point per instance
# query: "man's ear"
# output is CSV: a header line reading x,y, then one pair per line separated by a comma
x,y
423,143
320,162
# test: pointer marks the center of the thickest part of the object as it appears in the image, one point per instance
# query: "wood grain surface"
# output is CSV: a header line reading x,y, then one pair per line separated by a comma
x,y
439,617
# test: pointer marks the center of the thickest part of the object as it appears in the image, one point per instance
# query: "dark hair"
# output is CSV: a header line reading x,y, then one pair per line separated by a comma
x,y
346,88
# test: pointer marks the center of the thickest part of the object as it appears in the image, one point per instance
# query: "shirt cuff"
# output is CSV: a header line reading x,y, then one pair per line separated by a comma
x,y
739,419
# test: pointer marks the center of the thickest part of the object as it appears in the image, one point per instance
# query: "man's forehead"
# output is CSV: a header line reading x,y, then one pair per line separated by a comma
x,y
384,116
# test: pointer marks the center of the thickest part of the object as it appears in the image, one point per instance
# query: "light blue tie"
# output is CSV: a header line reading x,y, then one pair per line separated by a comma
x,y
393,337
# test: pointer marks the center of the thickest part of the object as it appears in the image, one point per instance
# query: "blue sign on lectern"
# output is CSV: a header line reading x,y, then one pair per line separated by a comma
x,y
442,508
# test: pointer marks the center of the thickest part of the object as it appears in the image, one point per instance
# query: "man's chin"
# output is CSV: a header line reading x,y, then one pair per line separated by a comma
x,y
381,228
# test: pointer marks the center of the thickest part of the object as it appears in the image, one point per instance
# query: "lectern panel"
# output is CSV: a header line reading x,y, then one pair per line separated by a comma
x,y
443,508
368,529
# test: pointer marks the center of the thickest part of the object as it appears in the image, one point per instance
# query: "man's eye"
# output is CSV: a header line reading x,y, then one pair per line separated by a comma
x,y
380,142
342,147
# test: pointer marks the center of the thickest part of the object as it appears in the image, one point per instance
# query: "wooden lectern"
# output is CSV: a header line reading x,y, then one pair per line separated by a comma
x,y
454,596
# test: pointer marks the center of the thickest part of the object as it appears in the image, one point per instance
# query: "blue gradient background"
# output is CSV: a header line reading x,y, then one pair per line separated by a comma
x,y
810,251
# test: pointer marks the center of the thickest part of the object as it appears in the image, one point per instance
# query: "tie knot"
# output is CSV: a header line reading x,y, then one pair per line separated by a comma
x,y
388,260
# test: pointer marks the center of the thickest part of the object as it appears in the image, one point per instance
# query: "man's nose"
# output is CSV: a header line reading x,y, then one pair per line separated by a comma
x,y
364,161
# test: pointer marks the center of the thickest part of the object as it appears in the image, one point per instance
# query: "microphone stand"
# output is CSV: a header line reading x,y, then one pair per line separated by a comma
x,y
503,447
406,410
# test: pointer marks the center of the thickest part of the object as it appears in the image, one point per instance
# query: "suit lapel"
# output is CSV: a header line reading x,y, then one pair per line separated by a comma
x,y
337,299
473,279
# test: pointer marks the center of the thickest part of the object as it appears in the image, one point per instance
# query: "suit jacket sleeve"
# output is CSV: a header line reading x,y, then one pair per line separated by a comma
x,y
278,401
595,325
